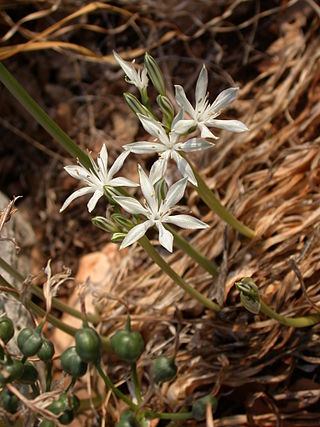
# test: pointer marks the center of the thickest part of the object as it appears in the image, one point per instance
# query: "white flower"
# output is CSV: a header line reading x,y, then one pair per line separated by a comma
x,y
204,114
97,178
157,212
168,147
134,77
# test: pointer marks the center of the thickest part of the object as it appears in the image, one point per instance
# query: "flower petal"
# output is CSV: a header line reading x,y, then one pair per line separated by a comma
x,y
153,128
184,168
202,85
165,237
148,190
182,100
182,126
175,193
117,164
102,160
230,125
196,144
75,195
179,116
225,98
186,221
144,147
205,132
136,233
135,77
77,172
122,182
158,169
94,199
131,205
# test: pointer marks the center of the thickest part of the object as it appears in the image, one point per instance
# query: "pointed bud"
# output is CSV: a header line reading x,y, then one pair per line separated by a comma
x,y
167,109
155,74
118,237
105,224
161,188
121,220
249,295
135,105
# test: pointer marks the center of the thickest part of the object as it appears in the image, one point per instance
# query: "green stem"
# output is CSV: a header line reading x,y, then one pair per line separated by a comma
x,y
49,375
154,255
197,256
169,416
296,322
42,118
116,391
64,308
136,382
213,203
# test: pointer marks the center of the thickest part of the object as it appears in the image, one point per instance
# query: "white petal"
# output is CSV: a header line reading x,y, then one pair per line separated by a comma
x,y
102,160
179,116
122,182
148,190
157,170
76,194
77,172
184,168
225,98
205,132
131,205
153,128
94,199
230,125
202,85
165,237
136,233
140,81
186,221
145,147
175,193
117,164
182,126
182,100
196,144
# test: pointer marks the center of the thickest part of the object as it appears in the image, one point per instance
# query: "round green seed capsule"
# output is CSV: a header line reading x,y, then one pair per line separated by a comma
x,y
29,341
200,405
30,374
46,351
88,345
164,369
6,329
9,401
12,369
127,344
67,405
72,363
127,419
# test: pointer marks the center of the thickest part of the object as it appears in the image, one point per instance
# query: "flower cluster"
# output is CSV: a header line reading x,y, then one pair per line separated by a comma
x,y
170,142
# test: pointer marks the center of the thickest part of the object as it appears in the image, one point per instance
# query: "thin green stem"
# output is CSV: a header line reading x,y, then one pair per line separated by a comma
x,y
296,322
136,382
49,375
42,118
169,416
154,255
183,244
213,203
116,391
64,308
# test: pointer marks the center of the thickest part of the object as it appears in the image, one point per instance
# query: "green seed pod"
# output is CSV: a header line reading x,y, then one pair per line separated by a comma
x,y
164,369
67,405
155,74
12,370
127,419
72,364
9,401
6,329
200,405
127,344
47,423
46,351
88,345
29,341
30,374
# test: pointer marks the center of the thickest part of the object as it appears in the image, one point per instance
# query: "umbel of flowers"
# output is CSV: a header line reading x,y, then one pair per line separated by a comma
x,y
171,142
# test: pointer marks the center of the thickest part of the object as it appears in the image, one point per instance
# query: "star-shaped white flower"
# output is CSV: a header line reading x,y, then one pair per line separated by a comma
x,y
157,212
97,178
134,77
204,114
168,147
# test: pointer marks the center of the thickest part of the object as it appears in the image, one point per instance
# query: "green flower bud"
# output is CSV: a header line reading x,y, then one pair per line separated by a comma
x,y
200,406
128,345
29,341
155,74
30,374
122,220
9,401
166,108
161,189
249,294
88,345
6,329
67,405
46,351
135,105
72,364
164,369
118,237
105,224
127,419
